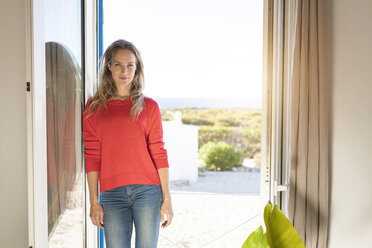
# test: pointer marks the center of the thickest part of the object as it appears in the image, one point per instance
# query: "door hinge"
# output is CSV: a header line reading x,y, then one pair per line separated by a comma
x,y
279,187
28,86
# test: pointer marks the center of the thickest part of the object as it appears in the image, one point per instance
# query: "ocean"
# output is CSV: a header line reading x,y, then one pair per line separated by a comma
x,y
189,102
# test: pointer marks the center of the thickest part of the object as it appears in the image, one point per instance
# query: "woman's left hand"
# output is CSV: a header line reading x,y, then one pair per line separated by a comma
x,y
166,208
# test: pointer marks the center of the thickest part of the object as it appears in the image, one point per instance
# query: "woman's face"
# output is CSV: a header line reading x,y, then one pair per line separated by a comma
x,y
123,67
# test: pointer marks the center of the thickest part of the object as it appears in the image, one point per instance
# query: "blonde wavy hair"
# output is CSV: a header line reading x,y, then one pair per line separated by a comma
x,y
107,87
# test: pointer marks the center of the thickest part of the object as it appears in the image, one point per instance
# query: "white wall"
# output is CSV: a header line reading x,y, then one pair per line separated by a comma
x,y
13,153
351,123
182,156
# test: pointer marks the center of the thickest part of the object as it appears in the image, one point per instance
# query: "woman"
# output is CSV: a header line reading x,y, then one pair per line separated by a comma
x,y
124,149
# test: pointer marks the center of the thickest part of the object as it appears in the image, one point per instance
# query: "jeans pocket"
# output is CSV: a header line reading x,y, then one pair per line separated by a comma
x,y
111,194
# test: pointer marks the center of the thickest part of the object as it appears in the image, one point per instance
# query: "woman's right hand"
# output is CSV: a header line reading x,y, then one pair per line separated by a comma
x,y
96,214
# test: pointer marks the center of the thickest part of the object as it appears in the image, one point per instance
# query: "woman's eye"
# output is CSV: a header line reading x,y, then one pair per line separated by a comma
x,y
116,64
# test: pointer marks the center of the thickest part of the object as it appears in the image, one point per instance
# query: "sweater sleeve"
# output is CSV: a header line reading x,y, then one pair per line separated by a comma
x,y
92,145
155,141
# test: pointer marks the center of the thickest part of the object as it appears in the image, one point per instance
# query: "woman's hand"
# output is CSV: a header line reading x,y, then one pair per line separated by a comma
x,y
166,208
96,214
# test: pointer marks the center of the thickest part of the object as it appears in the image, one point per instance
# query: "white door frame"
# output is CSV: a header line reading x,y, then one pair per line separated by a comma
x,y
275,116
91,72
36,126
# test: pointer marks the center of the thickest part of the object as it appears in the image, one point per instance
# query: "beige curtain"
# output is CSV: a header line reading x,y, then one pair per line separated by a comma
x,y
296,113
308,191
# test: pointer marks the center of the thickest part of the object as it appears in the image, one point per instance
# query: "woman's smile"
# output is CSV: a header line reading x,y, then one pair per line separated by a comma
x,y
123,69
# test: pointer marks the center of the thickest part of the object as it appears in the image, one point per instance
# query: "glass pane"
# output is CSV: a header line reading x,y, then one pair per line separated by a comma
x,y
64,75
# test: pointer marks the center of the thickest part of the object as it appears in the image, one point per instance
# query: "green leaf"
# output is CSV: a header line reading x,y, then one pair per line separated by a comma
x,y
280,232
263,243
267,214
257,239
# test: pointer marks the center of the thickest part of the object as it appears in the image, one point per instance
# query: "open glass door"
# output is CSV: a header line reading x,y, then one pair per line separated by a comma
x,y
64,60
275,140
62,44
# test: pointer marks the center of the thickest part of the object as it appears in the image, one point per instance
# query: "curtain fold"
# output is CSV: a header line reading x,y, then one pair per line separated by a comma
x,y
308,191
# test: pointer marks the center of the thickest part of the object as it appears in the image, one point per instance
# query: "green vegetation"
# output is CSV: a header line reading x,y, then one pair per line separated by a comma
x,y
233,117
238,127
243,138
220,156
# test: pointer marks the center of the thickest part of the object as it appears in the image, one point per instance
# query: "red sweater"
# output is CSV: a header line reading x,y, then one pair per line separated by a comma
x,y
124,151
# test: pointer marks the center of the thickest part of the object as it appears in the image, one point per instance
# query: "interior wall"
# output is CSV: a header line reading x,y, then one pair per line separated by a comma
x,y
351,123
350,127
13,153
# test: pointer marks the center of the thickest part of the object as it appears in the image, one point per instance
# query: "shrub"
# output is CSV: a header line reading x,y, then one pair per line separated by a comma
x,y
246,139
220,156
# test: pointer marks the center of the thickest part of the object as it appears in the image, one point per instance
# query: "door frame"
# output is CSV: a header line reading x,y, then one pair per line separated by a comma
x,y
275,150
92,237
36,125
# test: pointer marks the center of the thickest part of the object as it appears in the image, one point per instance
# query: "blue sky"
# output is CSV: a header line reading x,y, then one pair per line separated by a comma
x,y
194,48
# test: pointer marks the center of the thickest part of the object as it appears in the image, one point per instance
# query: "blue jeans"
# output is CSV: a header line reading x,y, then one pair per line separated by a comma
x,y
138,203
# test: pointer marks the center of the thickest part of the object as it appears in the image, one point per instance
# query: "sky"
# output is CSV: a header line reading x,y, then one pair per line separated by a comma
x,y
193,48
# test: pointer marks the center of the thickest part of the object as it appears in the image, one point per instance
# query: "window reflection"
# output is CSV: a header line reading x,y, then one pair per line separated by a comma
x,y
64,102
65,177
